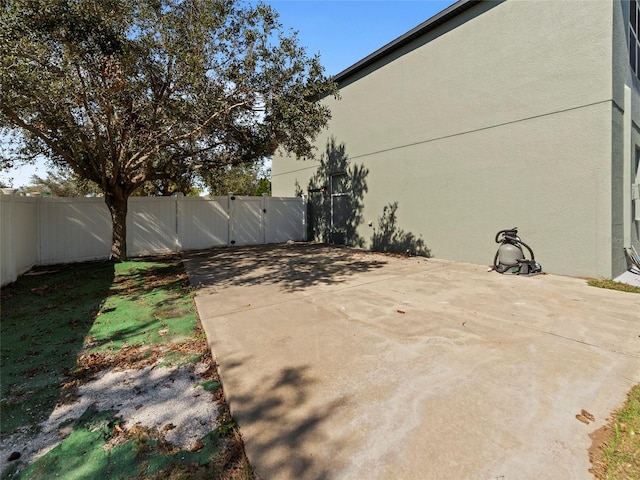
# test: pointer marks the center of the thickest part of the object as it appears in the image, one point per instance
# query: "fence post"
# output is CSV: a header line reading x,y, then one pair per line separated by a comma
x,y
230,240
305,228
12,230
263,217
38,231
178,199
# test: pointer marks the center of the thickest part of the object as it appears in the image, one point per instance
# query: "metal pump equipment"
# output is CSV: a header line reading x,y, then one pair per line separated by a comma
x,y
510,258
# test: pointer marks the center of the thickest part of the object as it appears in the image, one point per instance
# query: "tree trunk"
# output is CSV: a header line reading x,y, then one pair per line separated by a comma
x,y
117,203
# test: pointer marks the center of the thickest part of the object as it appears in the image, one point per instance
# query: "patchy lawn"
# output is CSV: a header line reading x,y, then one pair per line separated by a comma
x,y
67,328
616,456
613,285
615,453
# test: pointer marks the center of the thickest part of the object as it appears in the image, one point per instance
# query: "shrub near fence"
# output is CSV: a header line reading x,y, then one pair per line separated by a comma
x,y
47,231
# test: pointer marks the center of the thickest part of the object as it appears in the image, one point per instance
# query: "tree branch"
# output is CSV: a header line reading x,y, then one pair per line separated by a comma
x,y
150,150
83,99
36,132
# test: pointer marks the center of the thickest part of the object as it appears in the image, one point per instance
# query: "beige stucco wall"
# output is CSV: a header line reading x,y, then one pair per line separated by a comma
x,y
502,117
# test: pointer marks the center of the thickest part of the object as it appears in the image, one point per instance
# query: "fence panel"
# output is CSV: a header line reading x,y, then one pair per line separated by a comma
x,y
152,227
203,222
45,231
6,240
25,225
246,224
285,219
18,244
73,230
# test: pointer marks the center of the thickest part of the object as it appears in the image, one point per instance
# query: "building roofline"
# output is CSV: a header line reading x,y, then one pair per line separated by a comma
x,y
435,21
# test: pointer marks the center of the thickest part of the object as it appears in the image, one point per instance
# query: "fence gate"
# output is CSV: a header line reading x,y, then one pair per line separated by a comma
x,y
246,220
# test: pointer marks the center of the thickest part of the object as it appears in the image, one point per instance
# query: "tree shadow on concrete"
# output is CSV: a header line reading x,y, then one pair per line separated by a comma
x,y
389,238
292,267
286,438
336,192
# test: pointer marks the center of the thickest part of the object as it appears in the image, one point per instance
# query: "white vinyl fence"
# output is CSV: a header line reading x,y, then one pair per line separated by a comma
x,y
47,231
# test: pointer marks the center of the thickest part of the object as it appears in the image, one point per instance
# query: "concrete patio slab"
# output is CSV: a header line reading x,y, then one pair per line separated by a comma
x,y
629,277
344,364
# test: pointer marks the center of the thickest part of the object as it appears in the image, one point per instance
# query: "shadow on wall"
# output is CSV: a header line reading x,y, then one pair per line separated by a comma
x,y
389,238
336,193
336,205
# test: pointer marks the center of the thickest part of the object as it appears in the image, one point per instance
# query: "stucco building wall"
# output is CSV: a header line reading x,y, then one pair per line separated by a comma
x,y
504,116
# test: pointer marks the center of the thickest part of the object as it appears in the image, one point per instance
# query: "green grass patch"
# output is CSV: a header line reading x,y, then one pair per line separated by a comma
x,y
93,450
82,454
210,385
48,319
620,455
44,321
148,304
612,285
60,325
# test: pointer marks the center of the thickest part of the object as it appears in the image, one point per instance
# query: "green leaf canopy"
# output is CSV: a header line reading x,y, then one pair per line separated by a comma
x,y
129,91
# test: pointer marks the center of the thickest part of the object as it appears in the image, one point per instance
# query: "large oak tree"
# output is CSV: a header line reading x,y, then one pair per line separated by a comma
x,y
129,91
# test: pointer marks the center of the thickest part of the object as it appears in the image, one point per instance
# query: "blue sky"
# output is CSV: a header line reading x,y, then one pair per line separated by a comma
x,y
341,31
344,32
